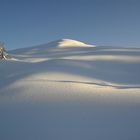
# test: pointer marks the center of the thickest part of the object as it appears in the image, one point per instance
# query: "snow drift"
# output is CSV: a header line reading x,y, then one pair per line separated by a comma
x,y
67,89
108,66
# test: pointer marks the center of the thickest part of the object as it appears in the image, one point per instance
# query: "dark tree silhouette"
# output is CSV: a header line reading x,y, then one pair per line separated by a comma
x,y
2,50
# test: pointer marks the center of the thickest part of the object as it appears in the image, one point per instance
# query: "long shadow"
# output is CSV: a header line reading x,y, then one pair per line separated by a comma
x,y
51,52
104,84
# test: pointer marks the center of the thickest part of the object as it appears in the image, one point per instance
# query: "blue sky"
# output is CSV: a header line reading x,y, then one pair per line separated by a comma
x,y
26,23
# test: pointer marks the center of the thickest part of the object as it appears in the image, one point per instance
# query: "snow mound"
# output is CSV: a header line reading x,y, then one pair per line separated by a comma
x,y
58,45
68,90
101,65
71,43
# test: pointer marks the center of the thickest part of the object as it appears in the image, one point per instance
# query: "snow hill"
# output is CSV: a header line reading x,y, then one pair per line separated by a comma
x,y
67,89
106,66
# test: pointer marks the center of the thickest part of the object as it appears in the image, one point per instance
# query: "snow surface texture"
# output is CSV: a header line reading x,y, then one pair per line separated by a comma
x,y
68,90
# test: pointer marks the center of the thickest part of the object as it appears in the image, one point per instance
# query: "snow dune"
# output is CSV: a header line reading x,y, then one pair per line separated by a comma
x,y
72,43
67,89
85,63
73,63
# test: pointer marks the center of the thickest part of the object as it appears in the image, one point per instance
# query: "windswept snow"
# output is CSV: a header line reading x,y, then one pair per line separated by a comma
x,y
72,43
107,65
67,89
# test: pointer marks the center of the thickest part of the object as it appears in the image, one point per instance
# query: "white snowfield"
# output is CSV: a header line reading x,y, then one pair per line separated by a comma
x,y
69,90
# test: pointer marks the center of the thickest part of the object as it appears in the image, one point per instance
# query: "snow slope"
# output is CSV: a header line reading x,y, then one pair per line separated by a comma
x,y
67,89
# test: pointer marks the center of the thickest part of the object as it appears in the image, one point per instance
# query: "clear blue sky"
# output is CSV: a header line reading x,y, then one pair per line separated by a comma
x,y
25,23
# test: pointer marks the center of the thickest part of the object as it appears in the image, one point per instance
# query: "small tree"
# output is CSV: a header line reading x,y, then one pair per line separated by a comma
x,y
2,50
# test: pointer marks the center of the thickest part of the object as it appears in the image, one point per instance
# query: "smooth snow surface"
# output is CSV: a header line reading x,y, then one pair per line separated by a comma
x,y
72,43
68,90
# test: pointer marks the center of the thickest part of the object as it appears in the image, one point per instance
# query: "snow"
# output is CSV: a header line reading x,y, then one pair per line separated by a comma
x,y
67,89
72,43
